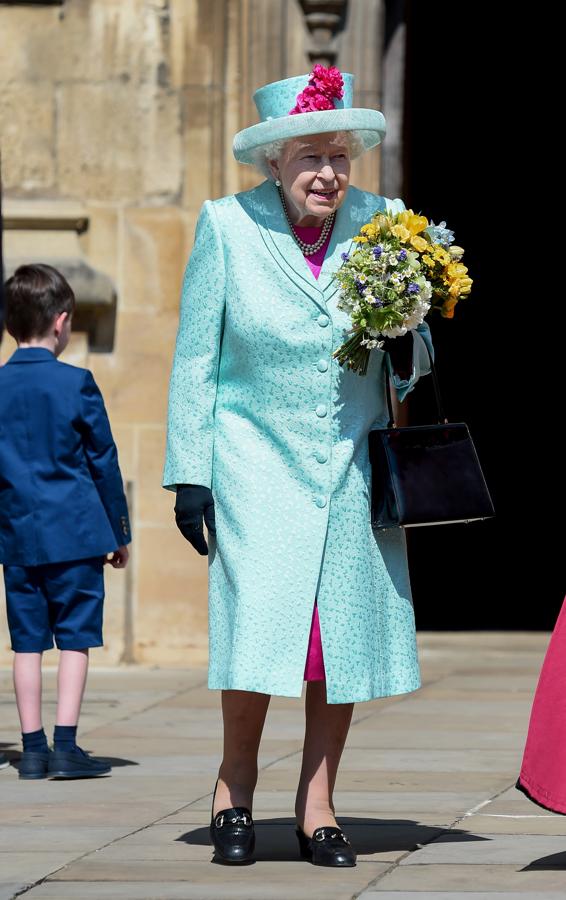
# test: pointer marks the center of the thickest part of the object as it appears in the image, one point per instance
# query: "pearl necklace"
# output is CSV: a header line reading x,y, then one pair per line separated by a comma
x,y
309,249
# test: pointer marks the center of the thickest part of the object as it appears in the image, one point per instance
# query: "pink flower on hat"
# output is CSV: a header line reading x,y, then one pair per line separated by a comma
x,y
325,85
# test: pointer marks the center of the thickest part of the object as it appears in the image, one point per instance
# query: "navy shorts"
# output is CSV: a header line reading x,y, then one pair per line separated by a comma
x,y
57,600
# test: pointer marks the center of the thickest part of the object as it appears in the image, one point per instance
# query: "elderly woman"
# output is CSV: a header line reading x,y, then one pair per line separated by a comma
x,y
267,441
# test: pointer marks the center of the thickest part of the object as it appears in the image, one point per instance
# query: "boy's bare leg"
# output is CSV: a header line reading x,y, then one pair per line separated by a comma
x,y
71,681
27,684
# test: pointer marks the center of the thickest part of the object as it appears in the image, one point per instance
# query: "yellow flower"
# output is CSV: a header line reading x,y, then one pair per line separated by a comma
x,y
370,231
360,239
455,270
428,260
419,243
401,232
441,256
456,252
413,223
460,287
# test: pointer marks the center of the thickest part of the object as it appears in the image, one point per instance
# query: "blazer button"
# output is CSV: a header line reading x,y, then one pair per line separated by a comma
x,y
321,456
321,410
320,501
323,320
322,365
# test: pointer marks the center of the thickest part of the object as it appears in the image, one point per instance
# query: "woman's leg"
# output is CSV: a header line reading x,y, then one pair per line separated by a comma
x,y
27,684
327,726
244,714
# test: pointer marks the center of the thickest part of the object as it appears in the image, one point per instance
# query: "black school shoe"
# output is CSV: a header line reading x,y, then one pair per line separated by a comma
x,y
75,764
4,761
328,847
232,833
33,764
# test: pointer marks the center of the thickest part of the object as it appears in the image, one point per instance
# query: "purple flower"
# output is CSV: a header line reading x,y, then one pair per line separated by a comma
x,y
377,251
413,288
402,255
379,303
345,257
360,286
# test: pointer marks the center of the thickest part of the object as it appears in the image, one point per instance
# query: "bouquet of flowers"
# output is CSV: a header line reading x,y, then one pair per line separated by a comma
x,y
402,267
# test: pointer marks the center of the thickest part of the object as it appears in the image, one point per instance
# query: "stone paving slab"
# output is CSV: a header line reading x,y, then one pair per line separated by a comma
x,y
502,849
8,891
422,760
266,880
460,895
185,891
425,791
431,738
453,878
527,824
40,838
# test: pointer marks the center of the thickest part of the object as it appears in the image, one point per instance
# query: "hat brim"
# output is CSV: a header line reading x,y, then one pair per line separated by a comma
x,y
368,123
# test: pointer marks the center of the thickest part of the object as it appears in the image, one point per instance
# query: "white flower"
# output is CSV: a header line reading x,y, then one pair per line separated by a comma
x,y
395,331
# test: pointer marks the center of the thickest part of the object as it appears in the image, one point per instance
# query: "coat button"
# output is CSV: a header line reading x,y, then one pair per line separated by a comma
x,y
320,501
323,320
321,410
321,456
322,365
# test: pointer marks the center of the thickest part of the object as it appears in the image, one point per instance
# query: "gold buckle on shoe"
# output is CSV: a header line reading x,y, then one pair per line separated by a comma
x,y
243,818
321,836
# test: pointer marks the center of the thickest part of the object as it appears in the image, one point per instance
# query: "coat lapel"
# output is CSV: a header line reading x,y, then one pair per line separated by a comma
x,y
275,233
277,238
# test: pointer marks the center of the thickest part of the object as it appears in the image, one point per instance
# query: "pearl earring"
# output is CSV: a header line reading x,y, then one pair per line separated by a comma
x,y
278,183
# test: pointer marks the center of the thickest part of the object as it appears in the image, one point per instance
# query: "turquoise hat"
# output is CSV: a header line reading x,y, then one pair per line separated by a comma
x,y
274,103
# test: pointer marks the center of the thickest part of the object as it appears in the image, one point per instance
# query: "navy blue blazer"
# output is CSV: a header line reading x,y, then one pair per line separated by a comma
x,y
61,491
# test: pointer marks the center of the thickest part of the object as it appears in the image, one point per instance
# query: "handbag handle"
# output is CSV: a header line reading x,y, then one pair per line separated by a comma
x,y
441,417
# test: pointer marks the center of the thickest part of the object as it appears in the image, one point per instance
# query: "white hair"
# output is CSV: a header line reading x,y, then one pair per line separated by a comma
x,y
274,149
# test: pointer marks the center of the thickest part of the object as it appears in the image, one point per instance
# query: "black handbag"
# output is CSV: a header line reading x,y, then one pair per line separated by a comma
x,y
425,474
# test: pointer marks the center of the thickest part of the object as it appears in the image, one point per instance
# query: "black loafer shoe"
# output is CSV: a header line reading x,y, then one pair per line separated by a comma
x,y
232,833
76,764
328,847
33,765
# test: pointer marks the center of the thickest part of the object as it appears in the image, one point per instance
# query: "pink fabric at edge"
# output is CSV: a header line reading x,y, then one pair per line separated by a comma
x,y
543,772
314,668
310,235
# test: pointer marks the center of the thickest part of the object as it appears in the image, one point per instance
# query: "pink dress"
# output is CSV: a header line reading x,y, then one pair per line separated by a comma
x,y
314,668
543,771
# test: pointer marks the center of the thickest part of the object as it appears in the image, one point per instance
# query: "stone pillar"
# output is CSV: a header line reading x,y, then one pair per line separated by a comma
x,y
129,108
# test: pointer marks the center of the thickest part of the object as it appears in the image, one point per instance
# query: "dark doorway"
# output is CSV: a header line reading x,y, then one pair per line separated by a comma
x,y
464,106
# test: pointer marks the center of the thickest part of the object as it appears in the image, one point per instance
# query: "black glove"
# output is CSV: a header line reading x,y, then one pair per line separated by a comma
x,y
400,350
193,503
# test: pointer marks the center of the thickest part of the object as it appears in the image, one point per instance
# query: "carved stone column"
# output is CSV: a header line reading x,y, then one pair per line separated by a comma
x,y
324,19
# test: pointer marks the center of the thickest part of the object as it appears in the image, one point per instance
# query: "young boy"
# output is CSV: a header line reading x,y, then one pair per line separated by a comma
x,y
62,510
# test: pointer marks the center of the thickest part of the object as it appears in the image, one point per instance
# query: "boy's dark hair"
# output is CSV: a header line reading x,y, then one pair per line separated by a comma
x,y
34,296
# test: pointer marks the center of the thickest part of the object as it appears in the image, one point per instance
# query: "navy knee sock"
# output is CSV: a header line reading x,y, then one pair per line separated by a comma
x,y
35,741
65,738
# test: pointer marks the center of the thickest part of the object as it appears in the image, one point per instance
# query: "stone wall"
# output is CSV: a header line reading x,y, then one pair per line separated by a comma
x,y
129,107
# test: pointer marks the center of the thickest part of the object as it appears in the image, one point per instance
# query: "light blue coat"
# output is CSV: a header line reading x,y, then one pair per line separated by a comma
x,y
261,413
